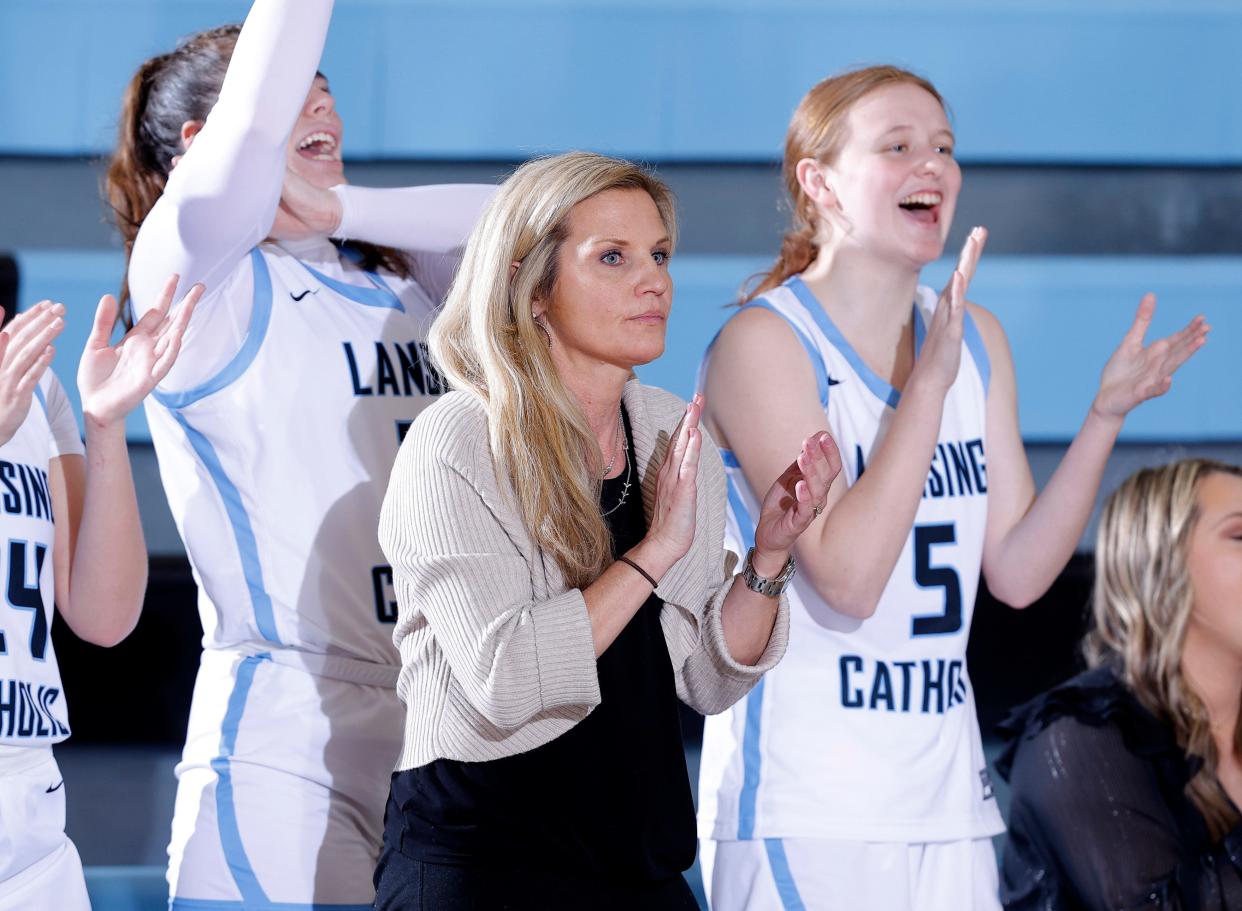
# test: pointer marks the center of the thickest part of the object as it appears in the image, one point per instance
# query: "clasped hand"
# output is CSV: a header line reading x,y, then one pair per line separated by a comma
x,y
788,508
305,210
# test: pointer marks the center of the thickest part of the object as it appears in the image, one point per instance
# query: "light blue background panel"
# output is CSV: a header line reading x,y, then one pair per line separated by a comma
x,y
1103,81
76,279
1066,315
1063,315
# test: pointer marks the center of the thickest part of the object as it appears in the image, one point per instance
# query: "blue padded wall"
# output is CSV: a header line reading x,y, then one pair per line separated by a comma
x,y
1092,81
1063,315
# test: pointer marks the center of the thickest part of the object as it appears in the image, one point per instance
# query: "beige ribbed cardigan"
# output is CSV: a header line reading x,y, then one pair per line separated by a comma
x,y
497,656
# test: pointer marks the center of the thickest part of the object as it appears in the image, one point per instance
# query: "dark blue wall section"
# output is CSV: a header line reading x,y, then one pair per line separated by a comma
x,y
1103,81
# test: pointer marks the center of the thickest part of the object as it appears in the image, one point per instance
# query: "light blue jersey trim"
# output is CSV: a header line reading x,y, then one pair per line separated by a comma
x,y
979,351
378,295
226,812
212,904
243,531
752,760
253,898
260,318
751,756
42,399
786,888
736,503
813,352
879,388
920,332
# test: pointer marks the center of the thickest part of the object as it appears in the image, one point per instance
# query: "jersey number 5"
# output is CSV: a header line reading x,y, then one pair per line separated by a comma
x,y
928,576
27,597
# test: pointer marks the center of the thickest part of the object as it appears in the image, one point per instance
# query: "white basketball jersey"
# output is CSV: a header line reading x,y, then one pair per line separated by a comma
x,y
32,705
275,467
866,730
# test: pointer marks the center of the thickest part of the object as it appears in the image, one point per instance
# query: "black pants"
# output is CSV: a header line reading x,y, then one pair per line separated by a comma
x,y
405,884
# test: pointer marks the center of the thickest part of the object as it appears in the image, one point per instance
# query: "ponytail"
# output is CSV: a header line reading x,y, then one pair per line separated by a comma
x,y
817,131
798,250
167,92
134,180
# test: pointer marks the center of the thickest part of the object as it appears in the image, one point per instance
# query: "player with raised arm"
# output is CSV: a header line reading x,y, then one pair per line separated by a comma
x,y
275,434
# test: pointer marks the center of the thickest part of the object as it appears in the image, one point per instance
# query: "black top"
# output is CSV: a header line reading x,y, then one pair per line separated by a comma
x,y
609,799
1099,817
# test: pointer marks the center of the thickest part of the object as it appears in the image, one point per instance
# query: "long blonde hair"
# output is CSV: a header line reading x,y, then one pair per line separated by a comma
x,y
487,342
818,130
1142,605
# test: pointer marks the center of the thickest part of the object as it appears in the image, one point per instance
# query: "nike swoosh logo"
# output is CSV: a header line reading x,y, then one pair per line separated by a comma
x,y
832,382
298,297
57,788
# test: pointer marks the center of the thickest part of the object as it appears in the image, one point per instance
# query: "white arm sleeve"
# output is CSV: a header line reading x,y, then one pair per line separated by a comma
x,y
66,438
221,198
431,219
435,272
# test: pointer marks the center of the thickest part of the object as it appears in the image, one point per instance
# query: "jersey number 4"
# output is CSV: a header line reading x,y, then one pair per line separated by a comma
x,y
945,577
27,597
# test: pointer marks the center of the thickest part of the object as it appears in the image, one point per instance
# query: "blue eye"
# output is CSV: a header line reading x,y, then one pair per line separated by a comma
x,y
660,256
611,258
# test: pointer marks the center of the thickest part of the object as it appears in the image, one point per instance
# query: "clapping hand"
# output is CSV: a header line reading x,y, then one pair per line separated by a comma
x,y
25,352
797,497
793,501
673,518
941,354
1136,373
113,379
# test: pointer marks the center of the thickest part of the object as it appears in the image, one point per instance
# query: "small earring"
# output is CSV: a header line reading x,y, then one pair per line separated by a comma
x,y
542,327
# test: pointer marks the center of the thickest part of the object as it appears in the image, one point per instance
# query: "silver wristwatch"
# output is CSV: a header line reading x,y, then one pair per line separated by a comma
x,y
770,587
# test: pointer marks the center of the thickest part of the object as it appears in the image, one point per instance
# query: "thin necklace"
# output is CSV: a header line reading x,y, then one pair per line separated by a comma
x,y
625,487
629,469
620,440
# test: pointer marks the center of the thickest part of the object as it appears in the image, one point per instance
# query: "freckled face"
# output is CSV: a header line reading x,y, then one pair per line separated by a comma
x,y
1215,561
613,292
895,180
315,145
